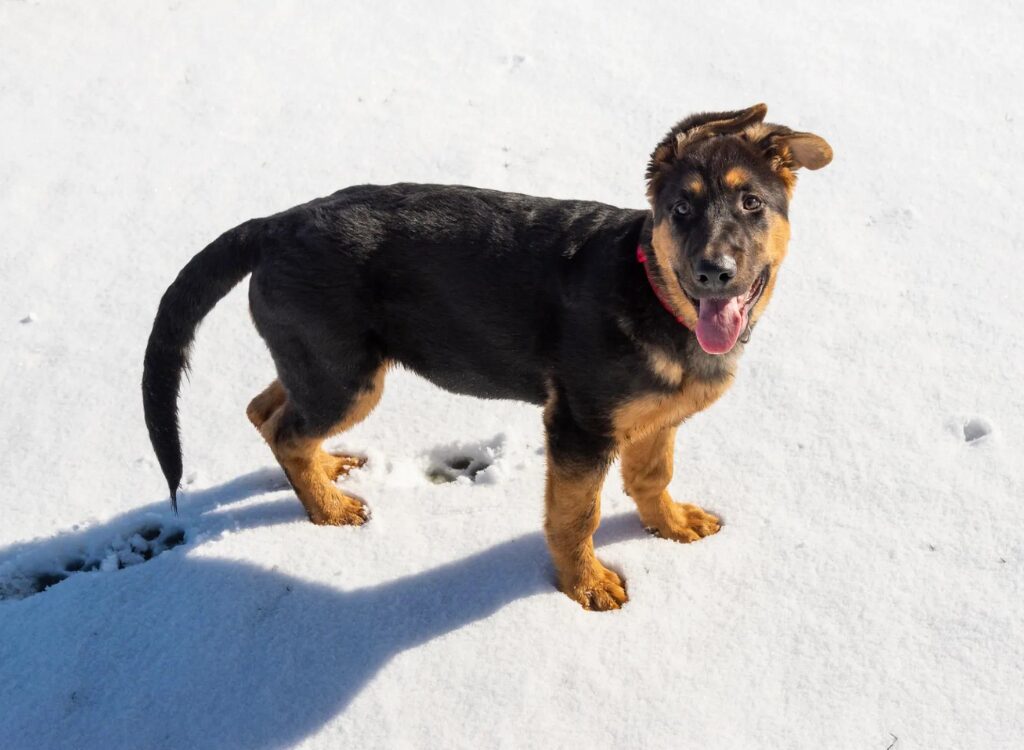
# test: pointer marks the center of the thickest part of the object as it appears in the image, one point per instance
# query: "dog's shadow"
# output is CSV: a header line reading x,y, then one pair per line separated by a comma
x,y
236,655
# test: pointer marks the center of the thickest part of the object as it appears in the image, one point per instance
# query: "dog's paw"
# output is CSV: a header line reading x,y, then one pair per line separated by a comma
x,y
340,510
596,588
684,523
339,464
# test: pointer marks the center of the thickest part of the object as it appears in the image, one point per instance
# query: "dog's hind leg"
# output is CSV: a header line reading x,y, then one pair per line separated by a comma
x,y
269,400
646,472
297,428
272,398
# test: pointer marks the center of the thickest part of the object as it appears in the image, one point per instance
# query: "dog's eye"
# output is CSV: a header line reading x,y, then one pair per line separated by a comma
x,y
682,208
752,203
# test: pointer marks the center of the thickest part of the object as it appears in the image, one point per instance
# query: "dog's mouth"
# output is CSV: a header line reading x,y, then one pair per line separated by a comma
x,y
722,320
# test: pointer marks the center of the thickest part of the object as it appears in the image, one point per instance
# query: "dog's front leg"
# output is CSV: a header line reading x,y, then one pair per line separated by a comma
x,y
646,472
577,464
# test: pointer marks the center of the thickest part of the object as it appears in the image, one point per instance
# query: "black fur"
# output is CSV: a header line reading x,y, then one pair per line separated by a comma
x,y
497,295
201,284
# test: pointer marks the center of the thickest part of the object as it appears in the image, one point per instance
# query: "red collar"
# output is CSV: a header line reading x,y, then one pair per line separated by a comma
x,y
641,257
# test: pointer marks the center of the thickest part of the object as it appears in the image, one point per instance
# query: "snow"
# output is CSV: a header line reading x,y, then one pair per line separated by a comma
x,y
866,589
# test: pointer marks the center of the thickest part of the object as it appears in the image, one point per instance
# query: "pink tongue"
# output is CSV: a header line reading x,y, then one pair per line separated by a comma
x,y
721,322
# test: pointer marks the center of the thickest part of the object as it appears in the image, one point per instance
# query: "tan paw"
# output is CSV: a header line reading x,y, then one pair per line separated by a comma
x,y
597,588
339,464
339,509
685,523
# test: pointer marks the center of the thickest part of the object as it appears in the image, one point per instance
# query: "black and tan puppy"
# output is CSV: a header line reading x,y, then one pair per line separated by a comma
x,y
620,323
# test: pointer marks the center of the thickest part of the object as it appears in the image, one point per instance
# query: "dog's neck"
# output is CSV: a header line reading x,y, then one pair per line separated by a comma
x,y
641,257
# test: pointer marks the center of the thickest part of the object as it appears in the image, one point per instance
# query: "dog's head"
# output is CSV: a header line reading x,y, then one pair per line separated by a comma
x,y
719,185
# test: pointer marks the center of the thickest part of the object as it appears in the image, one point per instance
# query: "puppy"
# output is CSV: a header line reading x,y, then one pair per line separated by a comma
x,y
620,323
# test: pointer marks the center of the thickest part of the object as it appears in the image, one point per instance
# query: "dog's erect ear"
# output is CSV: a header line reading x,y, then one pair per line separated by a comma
x,y
694,129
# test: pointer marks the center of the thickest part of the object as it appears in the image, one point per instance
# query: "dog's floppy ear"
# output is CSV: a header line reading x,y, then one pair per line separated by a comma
x,y
694,129
807,150
788,150
794,150
707,124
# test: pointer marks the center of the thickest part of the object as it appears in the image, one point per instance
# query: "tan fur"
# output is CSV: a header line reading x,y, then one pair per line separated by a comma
x,y
735,177
663,246
646,472
269,400
775,251
779,163
272,398
663,365
696,185
652,412
573,511
758,132
309,468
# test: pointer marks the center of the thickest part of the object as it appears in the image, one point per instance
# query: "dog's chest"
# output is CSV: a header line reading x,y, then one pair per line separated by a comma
x,y
654,411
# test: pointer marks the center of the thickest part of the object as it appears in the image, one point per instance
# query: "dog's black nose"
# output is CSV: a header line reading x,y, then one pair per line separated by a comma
x,y
715,274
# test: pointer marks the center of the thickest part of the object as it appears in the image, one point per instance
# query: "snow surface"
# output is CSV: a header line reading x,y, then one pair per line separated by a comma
x,y
866,590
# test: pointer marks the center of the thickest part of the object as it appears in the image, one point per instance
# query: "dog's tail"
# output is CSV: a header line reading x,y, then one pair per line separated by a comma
x,y
204,280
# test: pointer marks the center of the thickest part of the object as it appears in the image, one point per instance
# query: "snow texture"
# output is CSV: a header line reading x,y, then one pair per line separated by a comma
x,y
866,589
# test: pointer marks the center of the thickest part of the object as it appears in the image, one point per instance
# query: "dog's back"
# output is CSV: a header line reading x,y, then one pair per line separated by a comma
x,y
468,287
